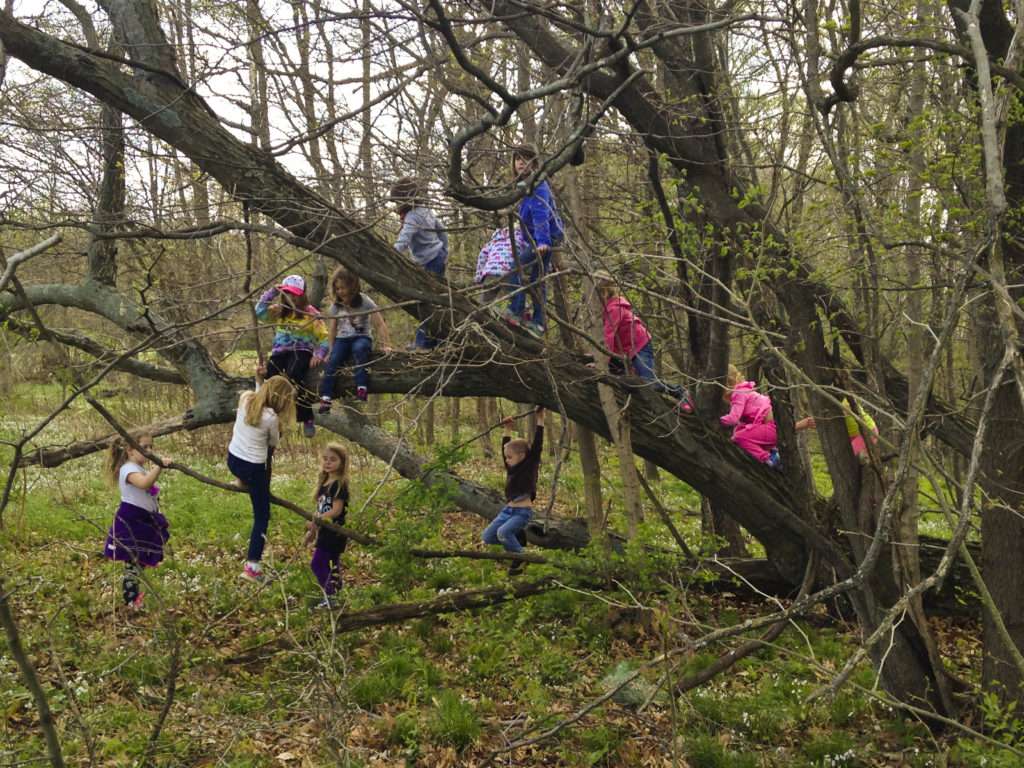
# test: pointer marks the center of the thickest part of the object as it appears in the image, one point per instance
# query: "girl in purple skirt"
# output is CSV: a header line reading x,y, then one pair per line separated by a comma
x,y
331,498
139,532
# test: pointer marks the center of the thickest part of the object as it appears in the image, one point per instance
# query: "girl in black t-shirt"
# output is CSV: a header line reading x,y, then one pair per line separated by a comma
x,y
331,499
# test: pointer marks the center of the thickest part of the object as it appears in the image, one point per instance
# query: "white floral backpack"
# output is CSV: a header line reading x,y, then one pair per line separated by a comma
x,y
495,258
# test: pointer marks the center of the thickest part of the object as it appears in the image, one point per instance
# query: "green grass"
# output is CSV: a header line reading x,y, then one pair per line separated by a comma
x,y
262,674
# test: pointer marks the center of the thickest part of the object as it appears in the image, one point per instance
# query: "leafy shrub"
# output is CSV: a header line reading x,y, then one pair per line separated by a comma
x,y
705,751
487,658
388,681
600,744
554,666
453,721
831,750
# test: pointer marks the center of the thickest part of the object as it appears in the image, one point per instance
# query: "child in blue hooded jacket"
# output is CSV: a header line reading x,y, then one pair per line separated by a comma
x,y
543,230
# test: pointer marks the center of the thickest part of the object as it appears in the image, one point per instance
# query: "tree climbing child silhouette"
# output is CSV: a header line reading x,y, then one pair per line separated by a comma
x,y
750,416
543,230
626,337
423,238
300,341
139,531
331,499
522,463
255,434
349,322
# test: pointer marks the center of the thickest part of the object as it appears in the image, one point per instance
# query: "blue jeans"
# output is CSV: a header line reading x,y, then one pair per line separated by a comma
x,y
505,526
536,269
257,480
435,266
345,349
643,366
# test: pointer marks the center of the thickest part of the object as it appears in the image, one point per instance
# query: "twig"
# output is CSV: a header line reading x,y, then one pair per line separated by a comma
x,y
490,429
172,682
22,256
665,518
28,673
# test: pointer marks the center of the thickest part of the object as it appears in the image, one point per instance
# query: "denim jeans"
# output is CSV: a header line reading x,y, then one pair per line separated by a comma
x,y
643,366
257,480
347,348
536,269
503,528
435,266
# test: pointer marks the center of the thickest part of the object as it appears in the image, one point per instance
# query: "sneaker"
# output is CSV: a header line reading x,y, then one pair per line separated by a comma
x,y
685,405
325,405
253,573
535,329
511,318
308,428
326,604
136,604
361,393
516,567
774,460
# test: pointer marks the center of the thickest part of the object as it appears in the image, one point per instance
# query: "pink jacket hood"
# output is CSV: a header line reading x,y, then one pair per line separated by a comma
x,y
624,333
747,405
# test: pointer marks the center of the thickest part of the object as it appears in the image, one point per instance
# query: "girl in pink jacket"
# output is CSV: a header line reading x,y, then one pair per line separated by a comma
x,y
626,337
750,416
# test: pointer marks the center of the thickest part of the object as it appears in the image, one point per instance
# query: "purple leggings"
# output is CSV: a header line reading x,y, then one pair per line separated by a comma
x,y
326,565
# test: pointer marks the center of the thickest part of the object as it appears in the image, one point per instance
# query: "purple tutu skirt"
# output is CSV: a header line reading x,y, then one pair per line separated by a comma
x,y
137,536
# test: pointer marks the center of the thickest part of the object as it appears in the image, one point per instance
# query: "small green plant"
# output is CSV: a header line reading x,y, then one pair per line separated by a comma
x,y
1003,725
555,667
405,731
398,673
831,750
705,751
453,721
600,744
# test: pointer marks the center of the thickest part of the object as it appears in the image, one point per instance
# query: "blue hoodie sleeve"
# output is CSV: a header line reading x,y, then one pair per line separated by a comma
x,y
540,211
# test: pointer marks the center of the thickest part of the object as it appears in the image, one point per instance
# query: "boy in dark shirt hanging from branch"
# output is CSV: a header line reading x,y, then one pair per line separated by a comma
x,y
522,463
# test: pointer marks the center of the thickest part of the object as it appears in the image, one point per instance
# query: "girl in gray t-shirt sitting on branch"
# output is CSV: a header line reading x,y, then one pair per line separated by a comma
x,y
352,320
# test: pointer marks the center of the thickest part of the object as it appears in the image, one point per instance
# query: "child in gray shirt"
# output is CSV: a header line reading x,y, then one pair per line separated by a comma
x,y
422,237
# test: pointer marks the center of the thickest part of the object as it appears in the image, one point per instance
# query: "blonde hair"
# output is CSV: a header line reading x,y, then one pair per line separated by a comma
x,y
733,377
118,455
338,450
277,393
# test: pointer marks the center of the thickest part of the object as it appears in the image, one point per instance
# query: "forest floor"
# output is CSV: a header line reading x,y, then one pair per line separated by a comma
x,y
261,678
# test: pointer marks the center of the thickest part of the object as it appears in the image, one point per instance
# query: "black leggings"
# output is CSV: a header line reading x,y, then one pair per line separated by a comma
x,y
295,365
130,583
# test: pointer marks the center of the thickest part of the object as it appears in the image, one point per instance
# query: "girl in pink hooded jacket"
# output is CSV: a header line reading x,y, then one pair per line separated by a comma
x,y
750,416
626,336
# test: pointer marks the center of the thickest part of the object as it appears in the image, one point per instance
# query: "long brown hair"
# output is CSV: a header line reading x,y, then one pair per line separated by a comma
x,y
292,305
278,394
118,455
348,280
338,450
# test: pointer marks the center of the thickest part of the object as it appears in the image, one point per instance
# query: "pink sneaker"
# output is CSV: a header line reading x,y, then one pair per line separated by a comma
x,y
254,574
361,393
136,604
